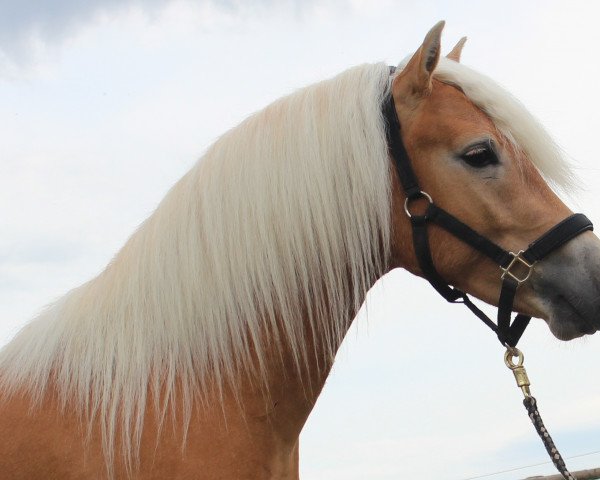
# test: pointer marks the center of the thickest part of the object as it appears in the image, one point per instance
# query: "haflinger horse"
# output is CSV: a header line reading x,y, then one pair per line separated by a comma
x,y
201,349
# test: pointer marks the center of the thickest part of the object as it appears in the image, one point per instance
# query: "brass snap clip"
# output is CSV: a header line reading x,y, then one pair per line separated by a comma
x,y
518,369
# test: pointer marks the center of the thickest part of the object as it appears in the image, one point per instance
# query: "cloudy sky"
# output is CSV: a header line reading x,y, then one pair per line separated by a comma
x,y
104,104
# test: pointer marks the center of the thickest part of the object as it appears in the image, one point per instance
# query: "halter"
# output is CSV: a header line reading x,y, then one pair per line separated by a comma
x,y
516,267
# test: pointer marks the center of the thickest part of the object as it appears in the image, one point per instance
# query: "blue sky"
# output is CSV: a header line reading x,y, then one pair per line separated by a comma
x,y
104,107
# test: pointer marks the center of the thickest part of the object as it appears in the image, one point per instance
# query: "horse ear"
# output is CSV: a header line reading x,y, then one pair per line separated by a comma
x,y
457,50
416,76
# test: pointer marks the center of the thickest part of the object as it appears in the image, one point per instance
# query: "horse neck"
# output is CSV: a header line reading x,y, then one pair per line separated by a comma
x,y
286,392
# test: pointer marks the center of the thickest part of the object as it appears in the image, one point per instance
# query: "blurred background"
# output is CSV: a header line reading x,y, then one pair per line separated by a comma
x,y
104,104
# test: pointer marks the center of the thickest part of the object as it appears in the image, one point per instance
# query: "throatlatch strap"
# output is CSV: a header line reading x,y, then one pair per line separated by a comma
x,y
423,254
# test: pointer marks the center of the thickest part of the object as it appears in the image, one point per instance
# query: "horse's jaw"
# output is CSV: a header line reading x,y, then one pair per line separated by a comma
x,y
567,285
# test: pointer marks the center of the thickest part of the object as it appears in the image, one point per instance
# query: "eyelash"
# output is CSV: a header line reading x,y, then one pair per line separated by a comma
x,y
480,155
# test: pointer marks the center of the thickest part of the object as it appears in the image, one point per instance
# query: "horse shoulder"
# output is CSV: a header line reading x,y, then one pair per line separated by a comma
x,y
43,442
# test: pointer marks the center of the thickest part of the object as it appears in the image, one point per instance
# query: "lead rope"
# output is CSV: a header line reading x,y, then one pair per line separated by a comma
x,y
531,405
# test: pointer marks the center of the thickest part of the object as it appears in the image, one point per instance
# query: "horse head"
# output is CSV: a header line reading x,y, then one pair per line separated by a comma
x,y
482,157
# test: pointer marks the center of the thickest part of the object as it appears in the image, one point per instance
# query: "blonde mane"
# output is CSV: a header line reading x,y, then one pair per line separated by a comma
x,y
287,213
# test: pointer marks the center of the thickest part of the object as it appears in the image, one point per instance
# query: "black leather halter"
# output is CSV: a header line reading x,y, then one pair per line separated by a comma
x,y
516,267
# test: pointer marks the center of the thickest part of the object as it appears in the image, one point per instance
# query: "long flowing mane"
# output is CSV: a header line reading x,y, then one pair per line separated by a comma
x,y
287,213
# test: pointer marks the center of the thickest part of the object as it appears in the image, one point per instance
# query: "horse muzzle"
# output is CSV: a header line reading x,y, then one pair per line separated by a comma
x,y
567,284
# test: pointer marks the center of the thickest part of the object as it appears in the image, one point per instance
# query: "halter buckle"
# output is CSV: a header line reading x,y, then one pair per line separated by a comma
x,y
421,194
519,262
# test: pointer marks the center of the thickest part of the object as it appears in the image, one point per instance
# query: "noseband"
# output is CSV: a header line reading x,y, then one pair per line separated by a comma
x,y
516,267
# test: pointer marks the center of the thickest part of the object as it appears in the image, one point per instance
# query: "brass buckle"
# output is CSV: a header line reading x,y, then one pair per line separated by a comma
x,y
519,261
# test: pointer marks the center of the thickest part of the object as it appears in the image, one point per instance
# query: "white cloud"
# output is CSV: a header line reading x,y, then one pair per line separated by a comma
x,y
30,31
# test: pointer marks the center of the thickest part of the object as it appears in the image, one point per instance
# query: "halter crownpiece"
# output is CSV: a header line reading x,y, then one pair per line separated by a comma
x,y
516,267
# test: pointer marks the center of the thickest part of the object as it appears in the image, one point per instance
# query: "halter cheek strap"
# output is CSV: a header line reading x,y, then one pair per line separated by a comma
x,y
516,267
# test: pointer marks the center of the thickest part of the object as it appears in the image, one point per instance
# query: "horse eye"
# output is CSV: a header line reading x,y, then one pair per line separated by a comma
x,y
480,155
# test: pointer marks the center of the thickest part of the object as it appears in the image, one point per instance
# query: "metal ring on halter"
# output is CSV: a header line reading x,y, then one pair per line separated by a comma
x,y
512,352
421,194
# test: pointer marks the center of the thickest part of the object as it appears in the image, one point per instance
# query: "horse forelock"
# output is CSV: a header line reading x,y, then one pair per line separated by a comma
x,y
286,213
513,120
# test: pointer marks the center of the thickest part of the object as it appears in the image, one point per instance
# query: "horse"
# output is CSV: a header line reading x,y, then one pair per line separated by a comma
x,y
201,349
